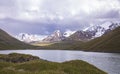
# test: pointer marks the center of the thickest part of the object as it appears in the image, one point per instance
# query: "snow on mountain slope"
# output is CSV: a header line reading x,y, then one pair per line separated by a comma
x,y
103,28
29,37
68,33
90,32
106,25
55,37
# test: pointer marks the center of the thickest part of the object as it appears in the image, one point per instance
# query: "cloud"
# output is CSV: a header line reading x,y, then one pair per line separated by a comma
x,y
45,16
52,9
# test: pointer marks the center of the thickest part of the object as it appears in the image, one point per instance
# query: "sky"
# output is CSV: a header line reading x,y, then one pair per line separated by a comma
x,y
45,16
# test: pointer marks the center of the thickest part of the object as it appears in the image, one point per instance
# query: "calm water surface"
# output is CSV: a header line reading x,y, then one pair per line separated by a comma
x,y
108,62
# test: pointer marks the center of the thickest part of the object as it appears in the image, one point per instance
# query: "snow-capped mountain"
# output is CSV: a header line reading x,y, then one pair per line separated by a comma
x,y
94,31
88,33
81,36
29,37
99,30
55,37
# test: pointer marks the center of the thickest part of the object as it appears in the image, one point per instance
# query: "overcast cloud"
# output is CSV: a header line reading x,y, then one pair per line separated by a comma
x,y
45,16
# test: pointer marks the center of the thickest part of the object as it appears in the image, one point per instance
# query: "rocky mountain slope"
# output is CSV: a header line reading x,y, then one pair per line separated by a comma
x,y
93,31
55,37
107,43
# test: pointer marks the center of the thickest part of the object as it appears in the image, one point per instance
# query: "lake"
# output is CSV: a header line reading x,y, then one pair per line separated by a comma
x,y
108,62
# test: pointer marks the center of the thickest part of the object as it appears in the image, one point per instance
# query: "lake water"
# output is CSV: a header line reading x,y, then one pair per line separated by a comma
x,y
108,62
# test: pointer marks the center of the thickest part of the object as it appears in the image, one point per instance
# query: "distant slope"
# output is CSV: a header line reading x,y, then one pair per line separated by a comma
x,y
80,36
107,43
8,42
63,45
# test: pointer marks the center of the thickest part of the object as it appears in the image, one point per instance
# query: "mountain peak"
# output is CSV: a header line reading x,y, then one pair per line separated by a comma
x,y
56,36
57,33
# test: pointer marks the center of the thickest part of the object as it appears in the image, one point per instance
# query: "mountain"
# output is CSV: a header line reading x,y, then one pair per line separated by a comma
x,y
104,28
87,34
9,42
28,38
93,31
81,36
55,37
109,42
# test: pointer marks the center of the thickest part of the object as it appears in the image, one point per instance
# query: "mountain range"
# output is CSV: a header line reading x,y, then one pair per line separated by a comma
x,y
103,38
87,34
93,31
56,36
109,42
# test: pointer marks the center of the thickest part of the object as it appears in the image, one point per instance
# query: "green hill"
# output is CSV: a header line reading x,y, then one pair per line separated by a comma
x,y
39,66
107,43
9,42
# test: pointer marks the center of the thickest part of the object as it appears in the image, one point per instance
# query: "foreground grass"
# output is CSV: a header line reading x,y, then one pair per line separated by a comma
x,y
46,67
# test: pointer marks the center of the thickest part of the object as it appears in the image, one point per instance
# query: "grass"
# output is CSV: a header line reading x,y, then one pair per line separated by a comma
x,y
63,45
45,67
39,66
42,44
107,43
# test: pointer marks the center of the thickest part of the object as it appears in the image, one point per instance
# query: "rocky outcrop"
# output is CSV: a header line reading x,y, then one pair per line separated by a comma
x,y
17,58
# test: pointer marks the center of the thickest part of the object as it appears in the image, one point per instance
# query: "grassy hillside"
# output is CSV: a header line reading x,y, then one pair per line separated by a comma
x,y
8,42
107,43
46,67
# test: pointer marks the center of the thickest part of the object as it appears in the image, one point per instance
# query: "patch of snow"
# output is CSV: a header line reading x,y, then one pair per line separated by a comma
x,y
29,37
106,25
68,33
